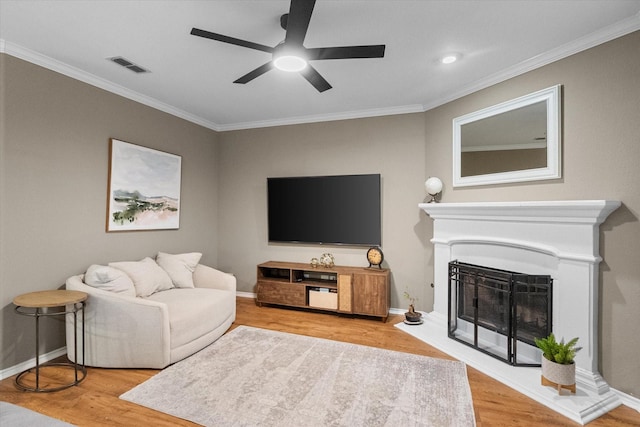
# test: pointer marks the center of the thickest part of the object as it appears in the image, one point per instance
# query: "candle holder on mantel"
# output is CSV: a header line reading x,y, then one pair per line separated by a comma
x,y
433,186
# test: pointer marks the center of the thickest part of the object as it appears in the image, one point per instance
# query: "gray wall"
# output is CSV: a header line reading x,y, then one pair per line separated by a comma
x,y
54,164
601,111
392,146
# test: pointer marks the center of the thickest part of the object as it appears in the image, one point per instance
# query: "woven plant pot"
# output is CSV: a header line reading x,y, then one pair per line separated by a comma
x,y
557,373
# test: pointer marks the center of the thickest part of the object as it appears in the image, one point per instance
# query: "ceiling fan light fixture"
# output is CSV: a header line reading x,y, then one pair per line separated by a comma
x,y
289,58
290,54
290,63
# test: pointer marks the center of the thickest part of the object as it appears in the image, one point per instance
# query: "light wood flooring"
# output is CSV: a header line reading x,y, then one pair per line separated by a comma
x,y
95,401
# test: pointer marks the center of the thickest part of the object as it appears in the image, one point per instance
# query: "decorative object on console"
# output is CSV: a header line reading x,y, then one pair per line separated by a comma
x,y
558,366
144,188
314,262
433,185
375,256
327,260
412,317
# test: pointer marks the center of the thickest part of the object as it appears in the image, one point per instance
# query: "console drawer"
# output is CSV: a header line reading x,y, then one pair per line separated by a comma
x,y
281,293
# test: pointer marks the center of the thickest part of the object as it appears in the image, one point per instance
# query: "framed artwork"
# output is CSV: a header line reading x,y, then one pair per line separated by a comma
x,y
144,188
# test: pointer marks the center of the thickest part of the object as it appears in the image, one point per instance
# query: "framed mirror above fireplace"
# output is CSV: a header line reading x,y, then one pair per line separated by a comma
x,y
518,140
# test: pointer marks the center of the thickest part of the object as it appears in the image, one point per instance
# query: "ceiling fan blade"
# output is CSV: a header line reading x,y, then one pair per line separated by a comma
x,y
298,21
230,40
314,77
346,52
255,73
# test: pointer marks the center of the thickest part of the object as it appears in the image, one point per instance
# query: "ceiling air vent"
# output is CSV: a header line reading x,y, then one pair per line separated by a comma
x,y
128,64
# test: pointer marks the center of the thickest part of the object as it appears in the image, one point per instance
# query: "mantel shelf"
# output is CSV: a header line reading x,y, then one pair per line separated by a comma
x,y
563,211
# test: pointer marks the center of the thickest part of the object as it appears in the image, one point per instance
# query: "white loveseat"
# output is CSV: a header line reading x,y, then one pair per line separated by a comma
x,y
125,330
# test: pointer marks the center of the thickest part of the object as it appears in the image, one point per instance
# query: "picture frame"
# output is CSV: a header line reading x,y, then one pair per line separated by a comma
x,y
143,188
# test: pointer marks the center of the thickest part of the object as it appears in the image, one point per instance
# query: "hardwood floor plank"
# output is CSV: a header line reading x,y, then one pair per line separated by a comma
x,y
95,402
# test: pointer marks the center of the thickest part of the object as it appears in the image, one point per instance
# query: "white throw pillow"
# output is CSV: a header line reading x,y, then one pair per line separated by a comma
x,y
109,279
180,267
147,276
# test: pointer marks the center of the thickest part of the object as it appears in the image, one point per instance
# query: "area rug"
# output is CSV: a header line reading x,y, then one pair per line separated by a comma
x,y
258,377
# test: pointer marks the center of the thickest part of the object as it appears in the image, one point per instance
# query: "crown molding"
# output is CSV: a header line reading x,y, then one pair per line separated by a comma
x,y
78,74
346,115
85,77
611,32
601,36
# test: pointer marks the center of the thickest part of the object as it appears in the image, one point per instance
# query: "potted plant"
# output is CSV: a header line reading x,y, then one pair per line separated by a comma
x,y
412,316
558,366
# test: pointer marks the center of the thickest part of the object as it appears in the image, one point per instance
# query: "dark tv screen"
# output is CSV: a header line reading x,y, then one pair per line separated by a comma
x,y
343,209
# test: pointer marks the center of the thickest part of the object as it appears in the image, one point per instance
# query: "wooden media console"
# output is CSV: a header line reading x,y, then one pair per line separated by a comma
x,y
348,290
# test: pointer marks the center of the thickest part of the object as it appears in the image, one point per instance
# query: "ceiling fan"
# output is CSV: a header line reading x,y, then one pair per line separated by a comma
x,y
291,54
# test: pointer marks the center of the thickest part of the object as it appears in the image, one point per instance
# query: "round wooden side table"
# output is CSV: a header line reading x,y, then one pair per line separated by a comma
x,y
37,305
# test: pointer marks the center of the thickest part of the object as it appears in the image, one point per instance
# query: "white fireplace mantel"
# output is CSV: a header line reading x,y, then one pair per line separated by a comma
x,y
558,238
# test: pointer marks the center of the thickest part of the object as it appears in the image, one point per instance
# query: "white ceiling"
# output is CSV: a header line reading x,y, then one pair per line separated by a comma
x,y
192,77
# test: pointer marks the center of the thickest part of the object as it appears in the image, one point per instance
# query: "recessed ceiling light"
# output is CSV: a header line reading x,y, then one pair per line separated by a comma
x,y
451,58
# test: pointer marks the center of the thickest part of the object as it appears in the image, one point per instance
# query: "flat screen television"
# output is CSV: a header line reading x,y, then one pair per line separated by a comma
x,y
340,210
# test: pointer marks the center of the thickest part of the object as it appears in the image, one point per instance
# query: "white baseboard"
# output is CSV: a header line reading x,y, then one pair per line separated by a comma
x,y
28,364
245,294
628,400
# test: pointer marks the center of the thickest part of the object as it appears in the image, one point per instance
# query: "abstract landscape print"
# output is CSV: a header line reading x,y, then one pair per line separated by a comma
x,y
144,188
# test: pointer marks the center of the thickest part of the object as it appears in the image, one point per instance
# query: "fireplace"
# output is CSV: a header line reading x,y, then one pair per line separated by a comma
x,y
499,312
555,238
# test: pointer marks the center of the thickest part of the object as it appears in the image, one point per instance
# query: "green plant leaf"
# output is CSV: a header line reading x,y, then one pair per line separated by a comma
x,y
558,352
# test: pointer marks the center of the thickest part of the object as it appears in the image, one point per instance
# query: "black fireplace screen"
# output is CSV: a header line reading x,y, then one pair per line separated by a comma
x,y
499,312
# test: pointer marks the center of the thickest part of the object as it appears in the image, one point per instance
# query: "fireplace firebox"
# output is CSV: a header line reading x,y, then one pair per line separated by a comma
x,y
499,312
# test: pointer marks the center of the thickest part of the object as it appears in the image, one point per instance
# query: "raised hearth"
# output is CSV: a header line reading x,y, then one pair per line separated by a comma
x,y
558,238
